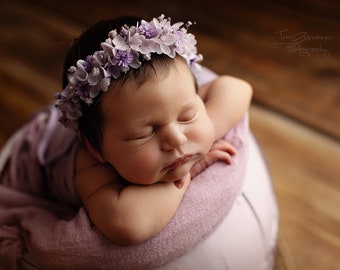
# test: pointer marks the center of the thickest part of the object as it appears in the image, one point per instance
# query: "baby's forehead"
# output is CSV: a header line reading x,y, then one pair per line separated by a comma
x,y
169,94
150,72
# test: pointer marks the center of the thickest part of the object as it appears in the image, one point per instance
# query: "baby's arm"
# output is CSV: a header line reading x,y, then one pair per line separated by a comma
x,y
227,100
126,213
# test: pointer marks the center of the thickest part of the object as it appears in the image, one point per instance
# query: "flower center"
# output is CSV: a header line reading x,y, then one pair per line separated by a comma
x,y
148,30
124,58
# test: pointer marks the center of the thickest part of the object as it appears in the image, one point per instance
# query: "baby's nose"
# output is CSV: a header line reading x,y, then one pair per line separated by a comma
x,y
173,137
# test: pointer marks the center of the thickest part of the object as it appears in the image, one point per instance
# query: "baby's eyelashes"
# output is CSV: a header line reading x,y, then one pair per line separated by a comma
x,y
148,133
187,117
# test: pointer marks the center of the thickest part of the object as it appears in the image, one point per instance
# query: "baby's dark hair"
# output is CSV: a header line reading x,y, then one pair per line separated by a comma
x,y
91,121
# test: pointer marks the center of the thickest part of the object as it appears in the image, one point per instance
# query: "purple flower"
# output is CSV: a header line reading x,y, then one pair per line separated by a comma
x,y
120,43
94,91
148,29
114,71
88,63
104,84
124,59
95,76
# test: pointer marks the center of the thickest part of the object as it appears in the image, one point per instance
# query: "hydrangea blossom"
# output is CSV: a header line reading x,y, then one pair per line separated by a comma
x,y
120,52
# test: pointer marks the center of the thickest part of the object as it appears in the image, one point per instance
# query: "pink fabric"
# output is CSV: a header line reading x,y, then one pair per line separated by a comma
x,y
42,222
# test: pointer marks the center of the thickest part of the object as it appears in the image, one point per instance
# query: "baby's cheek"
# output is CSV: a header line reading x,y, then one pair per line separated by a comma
x,y
146,162
141,169
204,135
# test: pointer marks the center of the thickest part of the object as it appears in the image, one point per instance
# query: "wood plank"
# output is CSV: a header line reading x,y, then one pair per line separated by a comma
x,y
23,93
305,170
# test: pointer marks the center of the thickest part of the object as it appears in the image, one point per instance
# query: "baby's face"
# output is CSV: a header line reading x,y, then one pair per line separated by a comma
x,y
157,132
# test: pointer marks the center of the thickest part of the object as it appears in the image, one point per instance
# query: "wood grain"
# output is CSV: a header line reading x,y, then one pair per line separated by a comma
x,y
305,169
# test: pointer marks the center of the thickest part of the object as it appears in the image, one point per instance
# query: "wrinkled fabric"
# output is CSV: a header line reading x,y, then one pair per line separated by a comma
x,y
42,160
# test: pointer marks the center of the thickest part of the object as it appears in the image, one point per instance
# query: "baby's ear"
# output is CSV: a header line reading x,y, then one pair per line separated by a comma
x,y
89,147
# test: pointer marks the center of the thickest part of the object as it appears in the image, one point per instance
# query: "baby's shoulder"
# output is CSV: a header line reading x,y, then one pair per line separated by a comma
x,y
91,175
84,160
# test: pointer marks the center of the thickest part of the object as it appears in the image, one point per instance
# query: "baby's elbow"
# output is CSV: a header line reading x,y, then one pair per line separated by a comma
x,y
126,233
249,89
245,90
131,236
234,83
244,86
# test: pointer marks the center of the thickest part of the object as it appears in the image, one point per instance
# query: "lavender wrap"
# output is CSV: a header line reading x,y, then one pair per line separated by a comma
x,y
42,159
43,225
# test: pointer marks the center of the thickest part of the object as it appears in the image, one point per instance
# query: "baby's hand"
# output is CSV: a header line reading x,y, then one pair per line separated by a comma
x,y
220,150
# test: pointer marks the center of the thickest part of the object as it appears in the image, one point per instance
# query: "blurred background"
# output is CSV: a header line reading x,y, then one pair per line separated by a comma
x,y
288,50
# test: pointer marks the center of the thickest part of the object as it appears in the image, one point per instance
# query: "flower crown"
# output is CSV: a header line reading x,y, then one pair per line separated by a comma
x,y
121,52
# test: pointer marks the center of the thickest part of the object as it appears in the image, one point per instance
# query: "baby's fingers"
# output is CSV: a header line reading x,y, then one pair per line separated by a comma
x,y
209,159
223,145
221,156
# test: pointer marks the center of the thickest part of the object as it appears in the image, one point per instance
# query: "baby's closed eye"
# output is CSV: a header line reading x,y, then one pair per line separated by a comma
x,y
188,116
143,134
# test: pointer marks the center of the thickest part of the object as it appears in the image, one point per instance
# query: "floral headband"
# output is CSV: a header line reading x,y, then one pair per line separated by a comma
x,y
121,52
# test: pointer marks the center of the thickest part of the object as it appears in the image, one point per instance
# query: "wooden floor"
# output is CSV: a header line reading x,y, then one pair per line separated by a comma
x,y
289,51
